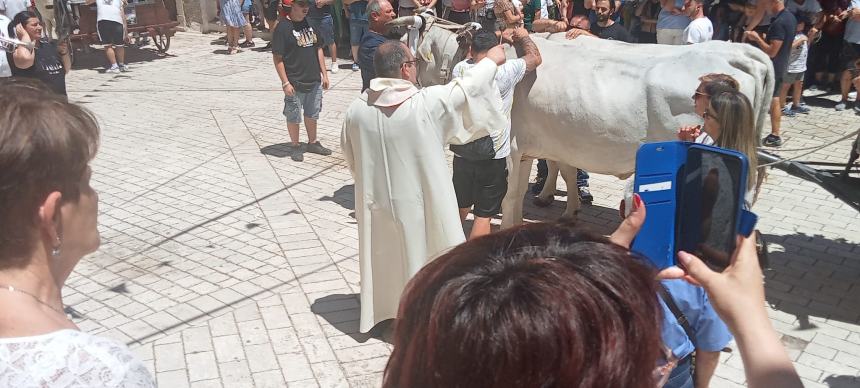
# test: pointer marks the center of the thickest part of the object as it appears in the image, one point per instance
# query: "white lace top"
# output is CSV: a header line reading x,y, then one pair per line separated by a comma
x,y
70,359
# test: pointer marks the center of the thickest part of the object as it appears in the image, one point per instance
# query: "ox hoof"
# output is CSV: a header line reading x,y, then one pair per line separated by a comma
x,y
541,202
568,219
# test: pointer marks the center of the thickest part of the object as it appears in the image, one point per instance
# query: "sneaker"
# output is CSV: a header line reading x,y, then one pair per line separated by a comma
x,y
334,68
585,195
113,70
841,105
268,46
857,109
772,141
787,111
801,109
297,153
123,67
355,67
246,44
317,148
813,88
538,185
852,95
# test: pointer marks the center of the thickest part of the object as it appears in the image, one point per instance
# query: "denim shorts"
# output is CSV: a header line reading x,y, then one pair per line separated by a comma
x,y
357,29
310,102
324,27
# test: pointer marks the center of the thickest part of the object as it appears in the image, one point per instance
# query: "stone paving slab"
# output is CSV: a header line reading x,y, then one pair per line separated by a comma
x,y
226,264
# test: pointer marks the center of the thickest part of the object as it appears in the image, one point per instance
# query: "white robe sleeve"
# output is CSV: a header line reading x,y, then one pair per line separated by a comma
x,y
466,108
346,145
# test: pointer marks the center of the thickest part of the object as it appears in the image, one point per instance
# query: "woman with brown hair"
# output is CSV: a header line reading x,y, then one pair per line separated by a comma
x,y
37,58
48,216
543,305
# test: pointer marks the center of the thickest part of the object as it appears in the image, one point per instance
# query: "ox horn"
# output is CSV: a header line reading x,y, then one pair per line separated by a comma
x,y
403,21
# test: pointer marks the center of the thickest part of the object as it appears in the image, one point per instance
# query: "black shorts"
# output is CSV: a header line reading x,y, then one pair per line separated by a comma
x,y
850,54
482,184
777,85
111,32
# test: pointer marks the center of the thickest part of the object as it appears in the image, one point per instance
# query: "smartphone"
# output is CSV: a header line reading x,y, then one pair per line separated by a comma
x,y
712,189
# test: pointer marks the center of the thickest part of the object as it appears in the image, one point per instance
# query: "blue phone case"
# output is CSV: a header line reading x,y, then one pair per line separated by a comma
x,y
659,170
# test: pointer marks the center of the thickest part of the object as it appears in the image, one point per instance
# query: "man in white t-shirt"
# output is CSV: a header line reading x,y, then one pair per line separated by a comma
x,y
113,32
700,28
481,182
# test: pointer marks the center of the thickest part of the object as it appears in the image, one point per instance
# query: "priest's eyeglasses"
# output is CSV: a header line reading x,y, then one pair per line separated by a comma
x,y
412,62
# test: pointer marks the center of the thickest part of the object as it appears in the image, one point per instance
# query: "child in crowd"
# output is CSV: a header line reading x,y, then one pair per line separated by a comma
x,y
796,69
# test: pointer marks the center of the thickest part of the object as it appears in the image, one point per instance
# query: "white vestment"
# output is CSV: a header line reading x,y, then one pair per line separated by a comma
x,y
393,139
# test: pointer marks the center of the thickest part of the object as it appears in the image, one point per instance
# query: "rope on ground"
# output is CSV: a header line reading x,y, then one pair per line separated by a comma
x,y
811,149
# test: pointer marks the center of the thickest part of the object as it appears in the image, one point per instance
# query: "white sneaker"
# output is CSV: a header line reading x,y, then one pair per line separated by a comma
x,y
334,68
123,67
113,70
852,95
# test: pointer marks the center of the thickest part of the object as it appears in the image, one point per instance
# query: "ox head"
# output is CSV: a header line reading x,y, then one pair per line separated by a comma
x,y
437,44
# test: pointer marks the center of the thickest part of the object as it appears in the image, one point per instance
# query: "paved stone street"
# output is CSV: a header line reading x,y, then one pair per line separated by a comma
x,y
226,264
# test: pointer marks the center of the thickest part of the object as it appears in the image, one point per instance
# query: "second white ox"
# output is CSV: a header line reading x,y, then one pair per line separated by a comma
x,y
592,102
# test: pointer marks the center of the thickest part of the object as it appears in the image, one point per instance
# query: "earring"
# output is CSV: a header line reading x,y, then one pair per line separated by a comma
x,y
56,251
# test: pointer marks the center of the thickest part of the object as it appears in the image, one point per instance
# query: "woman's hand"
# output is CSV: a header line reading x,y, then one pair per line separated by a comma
x,y
22,33
689,132
631,225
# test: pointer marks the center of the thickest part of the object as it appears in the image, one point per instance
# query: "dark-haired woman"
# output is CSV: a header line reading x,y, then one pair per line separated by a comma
x,y
48,217
41,61
545,306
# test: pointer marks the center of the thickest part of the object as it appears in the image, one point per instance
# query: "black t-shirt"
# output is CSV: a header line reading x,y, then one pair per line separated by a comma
x,y
614,32
315,12
782,27
297,43
47,68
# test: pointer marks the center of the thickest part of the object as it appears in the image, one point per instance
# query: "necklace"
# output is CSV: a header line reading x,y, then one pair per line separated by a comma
x,y
13,289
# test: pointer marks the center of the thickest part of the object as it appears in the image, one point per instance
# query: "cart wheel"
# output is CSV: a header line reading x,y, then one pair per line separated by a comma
x,y
162,42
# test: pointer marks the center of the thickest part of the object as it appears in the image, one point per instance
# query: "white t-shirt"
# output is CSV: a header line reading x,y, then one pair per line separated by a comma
x,y
507,78
70,358
5,70
699,30
13,7
798,55
110,10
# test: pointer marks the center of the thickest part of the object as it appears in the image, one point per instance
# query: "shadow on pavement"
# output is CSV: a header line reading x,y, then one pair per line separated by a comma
x,y
842,381
344,196
280,150
343,311
94,58
814,276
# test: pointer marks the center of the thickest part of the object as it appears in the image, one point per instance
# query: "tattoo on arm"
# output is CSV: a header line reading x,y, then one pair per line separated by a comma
x,y
528,50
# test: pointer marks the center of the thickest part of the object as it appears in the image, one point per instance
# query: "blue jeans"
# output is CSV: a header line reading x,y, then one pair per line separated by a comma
x,y
324,27
682,375
581,175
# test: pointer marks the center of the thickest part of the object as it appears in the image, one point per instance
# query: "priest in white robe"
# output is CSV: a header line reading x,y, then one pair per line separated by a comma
x,y
393,139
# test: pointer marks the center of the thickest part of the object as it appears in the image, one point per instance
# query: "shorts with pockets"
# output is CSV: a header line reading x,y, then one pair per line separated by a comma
x,y
111,32
791,78
357,30
480,183
324,28
309,103
851,56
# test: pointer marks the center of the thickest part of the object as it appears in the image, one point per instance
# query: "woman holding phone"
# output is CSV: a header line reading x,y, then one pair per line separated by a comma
x,y
42,60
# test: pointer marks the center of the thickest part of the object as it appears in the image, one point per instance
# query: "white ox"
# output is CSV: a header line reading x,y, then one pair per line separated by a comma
x,y
592,102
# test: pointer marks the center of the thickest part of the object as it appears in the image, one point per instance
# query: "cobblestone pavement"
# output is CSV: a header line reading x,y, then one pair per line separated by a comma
x,y
225,264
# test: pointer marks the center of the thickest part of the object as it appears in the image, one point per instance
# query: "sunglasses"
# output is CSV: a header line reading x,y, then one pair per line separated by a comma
x,y
697,93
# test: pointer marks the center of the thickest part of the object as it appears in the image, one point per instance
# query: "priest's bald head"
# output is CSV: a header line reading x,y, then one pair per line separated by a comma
x,y
393,59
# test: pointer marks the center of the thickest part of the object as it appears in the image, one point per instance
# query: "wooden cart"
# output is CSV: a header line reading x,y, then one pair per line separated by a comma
x,y
145,20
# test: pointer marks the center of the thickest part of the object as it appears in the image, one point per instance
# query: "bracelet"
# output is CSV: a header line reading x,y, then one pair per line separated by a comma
x,y
283,85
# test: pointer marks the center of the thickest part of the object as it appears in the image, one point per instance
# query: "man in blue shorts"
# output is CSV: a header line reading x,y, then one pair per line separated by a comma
x,y
319,17
358,26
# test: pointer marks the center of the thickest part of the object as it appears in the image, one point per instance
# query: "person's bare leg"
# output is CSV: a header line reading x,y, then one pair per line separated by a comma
x,y
775,116
480,227
64,50
249,32
845,84
111,55
311,128
120,54
355,54
797,92
293,129
464,212
783,95
332,48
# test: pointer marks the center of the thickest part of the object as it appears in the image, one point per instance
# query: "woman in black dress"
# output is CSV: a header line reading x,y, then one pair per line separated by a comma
x,y
41,61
